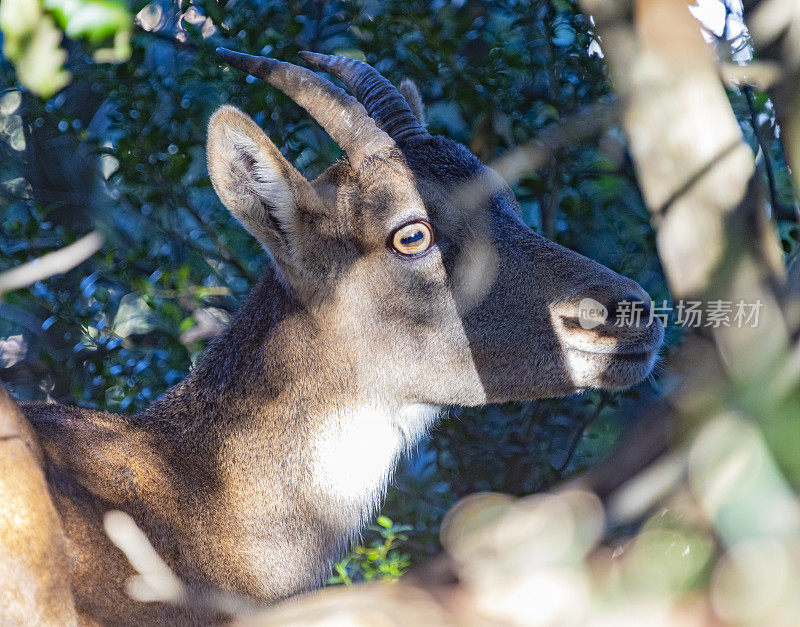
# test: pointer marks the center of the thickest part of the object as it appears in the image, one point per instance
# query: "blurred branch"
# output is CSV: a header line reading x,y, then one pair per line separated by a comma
x,y
155,581
714,242
660,74
649,439
541,150
56,262
774,27
693,178
572,130
762,75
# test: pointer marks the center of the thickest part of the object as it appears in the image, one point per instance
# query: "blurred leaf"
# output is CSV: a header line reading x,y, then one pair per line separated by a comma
x,y
31,42
133,316
32,39
94,20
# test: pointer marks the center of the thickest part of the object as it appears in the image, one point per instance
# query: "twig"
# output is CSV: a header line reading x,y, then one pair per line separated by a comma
x,y
57,262
685,187
773,192
224,251
578,435
194,290
550,207
415,495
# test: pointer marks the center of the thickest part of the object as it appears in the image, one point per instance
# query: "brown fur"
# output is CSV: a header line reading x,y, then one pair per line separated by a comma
x,y
34,571
252,474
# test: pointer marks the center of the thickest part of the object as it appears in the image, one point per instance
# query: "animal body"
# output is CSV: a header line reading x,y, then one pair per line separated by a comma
x,y
403,280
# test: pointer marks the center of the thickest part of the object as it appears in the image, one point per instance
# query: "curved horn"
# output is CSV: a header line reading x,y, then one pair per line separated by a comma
x,y
341,115
383,102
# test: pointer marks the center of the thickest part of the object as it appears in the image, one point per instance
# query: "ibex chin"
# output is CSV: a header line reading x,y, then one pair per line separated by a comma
x,y
403,280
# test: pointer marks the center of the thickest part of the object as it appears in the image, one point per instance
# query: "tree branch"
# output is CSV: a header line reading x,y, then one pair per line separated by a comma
x,y
56,262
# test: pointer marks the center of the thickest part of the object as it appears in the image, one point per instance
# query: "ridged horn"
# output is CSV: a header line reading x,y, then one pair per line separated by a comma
x,y
383,102
342,116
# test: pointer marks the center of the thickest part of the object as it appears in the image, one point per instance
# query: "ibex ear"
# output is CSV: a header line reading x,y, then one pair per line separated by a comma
x,y
410,92
254,180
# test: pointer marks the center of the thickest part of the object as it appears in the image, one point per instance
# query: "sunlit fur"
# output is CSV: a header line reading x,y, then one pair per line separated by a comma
x,y
252,474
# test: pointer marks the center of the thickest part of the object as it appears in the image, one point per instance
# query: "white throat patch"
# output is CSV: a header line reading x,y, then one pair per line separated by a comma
x,y
354,457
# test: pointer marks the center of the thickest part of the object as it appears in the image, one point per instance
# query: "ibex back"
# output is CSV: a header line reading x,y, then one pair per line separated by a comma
x,y
403,280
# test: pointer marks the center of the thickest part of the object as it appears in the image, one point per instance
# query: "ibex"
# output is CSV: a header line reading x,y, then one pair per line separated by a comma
x,y
403,280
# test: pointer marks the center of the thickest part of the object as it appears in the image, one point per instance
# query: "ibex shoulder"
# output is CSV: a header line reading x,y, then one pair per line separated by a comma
x,y
111,457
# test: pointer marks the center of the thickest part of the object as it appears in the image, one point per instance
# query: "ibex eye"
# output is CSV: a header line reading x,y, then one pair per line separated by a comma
x,y
413,239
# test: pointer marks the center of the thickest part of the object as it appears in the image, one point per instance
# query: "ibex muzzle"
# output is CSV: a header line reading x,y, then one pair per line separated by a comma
x,y
403,280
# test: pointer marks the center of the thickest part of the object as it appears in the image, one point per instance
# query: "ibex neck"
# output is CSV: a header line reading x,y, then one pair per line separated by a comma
x,y
247,368
276,367
291,450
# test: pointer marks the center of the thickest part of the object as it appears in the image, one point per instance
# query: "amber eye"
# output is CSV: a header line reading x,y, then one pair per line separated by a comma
x,y
413,239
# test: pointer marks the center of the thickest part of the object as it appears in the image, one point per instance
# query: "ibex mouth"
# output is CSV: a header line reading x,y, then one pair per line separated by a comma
x,y
610,356
609,371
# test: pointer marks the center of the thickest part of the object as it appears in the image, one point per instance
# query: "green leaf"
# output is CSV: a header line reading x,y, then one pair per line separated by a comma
x,y
94,20
32,39
36,55
19,18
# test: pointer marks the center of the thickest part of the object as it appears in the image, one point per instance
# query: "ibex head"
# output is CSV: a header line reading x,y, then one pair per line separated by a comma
x,y
414,256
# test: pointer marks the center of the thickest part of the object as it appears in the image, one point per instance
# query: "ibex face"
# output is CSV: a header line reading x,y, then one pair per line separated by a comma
x,y
415,257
